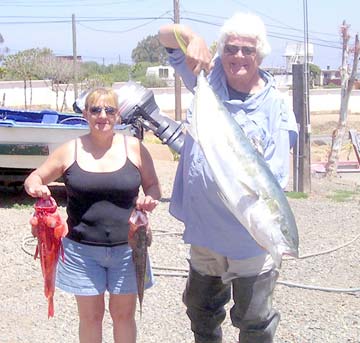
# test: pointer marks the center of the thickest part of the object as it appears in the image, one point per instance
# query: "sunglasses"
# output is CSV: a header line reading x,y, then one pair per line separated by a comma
x,y
108,110
234,49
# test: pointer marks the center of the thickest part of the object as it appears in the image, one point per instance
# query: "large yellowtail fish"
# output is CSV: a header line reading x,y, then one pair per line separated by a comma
x,y
247,186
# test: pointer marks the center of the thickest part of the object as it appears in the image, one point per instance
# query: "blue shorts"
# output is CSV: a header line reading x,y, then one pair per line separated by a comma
x,y
91,270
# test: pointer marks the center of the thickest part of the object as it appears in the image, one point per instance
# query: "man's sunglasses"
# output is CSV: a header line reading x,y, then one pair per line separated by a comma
x,y
98,109
234,49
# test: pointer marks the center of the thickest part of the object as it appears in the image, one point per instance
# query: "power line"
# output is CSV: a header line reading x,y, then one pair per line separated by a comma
x,y
80,20
130,29
60,4
278,35
150,19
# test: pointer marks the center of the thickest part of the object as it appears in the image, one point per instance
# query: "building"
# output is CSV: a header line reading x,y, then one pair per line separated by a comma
x,y
164,73
294,54
331,76
69,58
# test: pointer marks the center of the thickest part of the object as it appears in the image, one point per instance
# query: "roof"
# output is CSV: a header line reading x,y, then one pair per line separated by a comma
x,y
298,49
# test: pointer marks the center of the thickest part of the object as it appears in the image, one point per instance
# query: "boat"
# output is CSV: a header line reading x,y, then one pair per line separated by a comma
x,y
28,137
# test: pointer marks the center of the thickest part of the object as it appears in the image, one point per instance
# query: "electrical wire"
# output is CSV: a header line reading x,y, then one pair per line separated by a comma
x,y
152,19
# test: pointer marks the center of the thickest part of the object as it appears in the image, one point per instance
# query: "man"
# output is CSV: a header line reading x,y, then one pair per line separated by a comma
x,y
222,253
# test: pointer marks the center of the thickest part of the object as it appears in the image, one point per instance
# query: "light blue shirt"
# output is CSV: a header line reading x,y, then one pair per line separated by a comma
x,y
268,123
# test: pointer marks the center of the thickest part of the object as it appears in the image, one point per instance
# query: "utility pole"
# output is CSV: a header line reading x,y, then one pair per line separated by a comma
x,y
177,77
75,74
301,162
306,123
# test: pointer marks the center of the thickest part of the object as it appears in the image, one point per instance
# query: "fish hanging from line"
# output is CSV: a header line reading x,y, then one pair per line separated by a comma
x,y
247,186
50,229
139,239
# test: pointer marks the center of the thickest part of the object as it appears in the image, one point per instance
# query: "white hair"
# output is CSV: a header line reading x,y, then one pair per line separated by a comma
x,y
245,25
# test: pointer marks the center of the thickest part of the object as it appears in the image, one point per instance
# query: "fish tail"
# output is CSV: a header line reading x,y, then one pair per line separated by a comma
x,y
50,307
140,310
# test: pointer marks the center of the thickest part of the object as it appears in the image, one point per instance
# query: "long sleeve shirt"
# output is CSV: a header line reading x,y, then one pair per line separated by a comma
x,y
268,123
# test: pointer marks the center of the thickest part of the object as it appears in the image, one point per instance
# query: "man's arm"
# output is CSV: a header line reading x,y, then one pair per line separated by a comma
x,y
176,36
168,39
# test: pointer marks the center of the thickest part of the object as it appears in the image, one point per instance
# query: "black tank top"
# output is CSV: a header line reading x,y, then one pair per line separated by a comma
x,y
100,204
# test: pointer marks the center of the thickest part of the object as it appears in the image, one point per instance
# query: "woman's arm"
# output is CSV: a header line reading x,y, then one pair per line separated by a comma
x,y
149,181
141,157
36,183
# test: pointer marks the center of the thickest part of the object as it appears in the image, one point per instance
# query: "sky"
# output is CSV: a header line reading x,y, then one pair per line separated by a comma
x,y
108,30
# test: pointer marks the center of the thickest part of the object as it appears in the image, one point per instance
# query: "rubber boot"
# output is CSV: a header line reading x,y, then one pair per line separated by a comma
x,y
205,297
252,312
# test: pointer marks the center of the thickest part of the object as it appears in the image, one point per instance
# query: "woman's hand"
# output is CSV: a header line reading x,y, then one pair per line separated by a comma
x,y
39,191
146,203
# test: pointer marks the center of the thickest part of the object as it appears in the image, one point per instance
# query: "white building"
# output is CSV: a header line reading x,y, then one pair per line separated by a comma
x,y
294,54
165,73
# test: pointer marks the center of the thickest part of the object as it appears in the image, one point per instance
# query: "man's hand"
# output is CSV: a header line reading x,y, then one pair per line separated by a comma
x,y
198,56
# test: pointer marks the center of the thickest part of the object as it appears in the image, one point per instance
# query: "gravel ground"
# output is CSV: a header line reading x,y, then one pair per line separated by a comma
x,y
308,315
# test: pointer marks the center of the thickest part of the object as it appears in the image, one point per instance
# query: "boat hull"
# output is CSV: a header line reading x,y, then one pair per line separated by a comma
x,y
27,138
27,147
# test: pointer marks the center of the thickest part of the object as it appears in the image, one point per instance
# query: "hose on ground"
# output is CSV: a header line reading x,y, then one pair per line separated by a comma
x,y
31,241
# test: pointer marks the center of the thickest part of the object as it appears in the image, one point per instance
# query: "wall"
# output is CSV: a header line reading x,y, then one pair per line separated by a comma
x,y
321,100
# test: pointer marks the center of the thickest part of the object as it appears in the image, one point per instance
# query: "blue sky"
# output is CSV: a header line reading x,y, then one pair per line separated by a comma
x,y
108,30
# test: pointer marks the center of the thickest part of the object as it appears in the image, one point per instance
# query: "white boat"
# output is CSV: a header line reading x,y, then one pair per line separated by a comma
x,y
28,137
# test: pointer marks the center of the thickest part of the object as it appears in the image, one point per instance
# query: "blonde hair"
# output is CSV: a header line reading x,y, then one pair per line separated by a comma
x,y
245,25
107,92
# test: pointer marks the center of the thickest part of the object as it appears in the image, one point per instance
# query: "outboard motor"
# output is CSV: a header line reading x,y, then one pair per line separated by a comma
x,y
139,109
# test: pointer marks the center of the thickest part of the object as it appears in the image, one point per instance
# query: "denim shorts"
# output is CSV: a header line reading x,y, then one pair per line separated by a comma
x,y
91,270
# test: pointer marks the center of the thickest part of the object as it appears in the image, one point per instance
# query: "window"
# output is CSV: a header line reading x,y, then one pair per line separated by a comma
x,y
164,73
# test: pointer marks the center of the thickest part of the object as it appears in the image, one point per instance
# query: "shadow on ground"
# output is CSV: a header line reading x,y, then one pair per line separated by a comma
x,y
16,196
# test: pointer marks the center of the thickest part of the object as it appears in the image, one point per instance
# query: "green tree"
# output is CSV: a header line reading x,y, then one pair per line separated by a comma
x,y
315,73
58,73
149,50
23,66
348,76
100,75
2,50
213,48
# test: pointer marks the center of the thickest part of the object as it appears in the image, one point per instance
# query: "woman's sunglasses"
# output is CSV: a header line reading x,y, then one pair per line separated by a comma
x,y
98,109
234,49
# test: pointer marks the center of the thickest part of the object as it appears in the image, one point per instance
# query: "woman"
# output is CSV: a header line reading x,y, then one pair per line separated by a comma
x,y
102,171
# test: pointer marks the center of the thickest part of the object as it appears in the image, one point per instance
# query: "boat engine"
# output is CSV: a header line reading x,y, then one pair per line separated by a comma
x,y
139,109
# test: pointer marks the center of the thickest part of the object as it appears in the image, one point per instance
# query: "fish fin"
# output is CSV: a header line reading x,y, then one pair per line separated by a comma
x,y
252,192
36,252
222,197
51,307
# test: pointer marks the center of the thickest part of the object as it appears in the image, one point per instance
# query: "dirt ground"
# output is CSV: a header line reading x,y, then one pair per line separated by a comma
x,y
322,126
329,261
